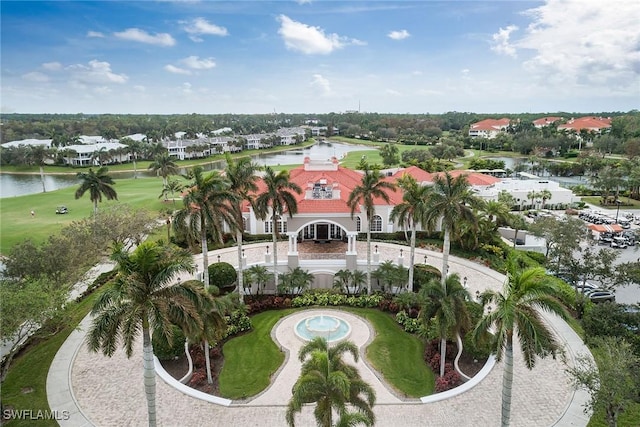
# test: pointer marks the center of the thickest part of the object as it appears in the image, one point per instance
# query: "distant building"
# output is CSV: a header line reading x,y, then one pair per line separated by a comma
x,y
488,128
545,121
590,123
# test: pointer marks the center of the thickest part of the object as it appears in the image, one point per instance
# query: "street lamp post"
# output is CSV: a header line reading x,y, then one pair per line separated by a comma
x,y
617,210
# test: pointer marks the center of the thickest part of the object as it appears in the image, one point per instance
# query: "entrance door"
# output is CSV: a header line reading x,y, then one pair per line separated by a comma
x,y
322,231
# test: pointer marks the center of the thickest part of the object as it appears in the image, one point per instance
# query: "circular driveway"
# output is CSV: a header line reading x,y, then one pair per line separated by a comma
x,y
110,392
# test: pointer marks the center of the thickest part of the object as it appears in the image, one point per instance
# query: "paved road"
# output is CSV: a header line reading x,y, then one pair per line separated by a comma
x,y
97,390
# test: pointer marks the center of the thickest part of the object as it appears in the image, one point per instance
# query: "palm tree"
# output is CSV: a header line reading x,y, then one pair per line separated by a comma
x,y
207,206
411,212
258,274
242,177
532,195
164,166
38,154
516,312
451,200
143,298
497,211
544,195
98,184
446,307
277,198
134,148
518,223
295,281
172,187
332,384
372,187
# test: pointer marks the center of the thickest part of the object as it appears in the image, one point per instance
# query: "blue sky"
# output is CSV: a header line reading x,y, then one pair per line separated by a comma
x,y
319,56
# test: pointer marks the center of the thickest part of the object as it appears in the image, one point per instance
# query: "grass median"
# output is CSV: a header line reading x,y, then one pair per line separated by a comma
x,y
251,359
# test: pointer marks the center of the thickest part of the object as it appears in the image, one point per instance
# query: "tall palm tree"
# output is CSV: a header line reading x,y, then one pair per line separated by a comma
x,y
277,198
532,195
544,195
258,274
164,166
172,187
242,177
327,380
38,154
98,183
411,212
207,206
143,299
446,307
497,211
134,148
451,200
364,195
516,312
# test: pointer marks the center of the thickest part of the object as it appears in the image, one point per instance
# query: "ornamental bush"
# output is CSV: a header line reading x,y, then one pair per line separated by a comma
x,y
166,350
223,276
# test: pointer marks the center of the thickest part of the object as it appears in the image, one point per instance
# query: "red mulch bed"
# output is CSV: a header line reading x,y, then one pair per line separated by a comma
x,y
178,368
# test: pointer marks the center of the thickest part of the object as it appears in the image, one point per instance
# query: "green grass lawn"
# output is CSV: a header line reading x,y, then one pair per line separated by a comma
x,y
28,372
627,203
17,223
397,355
251,359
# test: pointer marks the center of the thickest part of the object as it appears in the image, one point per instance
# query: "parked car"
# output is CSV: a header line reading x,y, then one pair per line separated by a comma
x,y
619,242
600,295
62,210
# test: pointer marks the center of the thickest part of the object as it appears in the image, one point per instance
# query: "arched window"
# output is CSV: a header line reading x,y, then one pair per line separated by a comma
x,y
358,224
376,223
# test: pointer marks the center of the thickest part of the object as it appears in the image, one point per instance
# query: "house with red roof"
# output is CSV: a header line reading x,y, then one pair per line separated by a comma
x,y
545,121
323,211
488,128
589,123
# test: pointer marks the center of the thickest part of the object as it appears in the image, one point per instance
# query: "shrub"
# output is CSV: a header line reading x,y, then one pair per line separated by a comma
x,y
223,276
409,324
237,322
422,273
166,350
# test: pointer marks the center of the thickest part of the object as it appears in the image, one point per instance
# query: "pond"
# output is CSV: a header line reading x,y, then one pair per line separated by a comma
x,y
12,185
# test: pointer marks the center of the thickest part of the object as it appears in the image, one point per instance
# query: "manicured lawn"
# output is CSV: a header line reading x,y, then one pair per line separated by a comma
x,y
397,355
29,371
251,359
627,203
17,223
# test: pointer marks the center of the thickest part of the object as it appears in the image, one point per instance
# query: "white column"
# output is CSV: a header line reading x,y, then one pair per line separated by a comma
x,y
293,243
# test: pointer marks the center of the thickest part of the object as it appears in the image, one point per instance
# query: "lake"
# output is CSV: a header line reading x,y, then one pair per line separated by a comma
x,y
12,185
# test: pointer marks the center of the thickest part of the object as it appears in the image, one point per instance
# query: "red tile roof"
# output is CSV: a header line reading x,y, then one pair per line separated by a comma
x,y
545,121
589,123
490,124
346,180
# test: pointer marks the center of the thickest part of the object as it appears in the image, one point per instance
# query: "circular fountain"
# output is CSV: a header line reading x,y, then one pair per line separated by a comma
x,y
327,326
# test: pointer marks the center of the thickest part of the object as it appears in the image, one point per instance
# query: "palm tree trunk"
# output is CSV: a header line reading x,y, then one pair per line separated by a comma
x,y
455,362
369,260
135,168
275,249
446,245
44,189
412,255
507,381
207,361
443,354
95,208
205,256
149,373
240,266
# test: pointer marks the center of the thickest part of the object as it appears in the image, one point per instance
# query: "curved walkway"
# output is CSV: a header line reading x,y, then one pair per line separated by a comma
x,y
102,391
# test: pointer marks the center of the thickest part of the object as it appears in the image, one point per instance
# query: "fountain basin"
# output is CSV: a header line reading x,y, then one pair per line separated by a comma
x,y
329,327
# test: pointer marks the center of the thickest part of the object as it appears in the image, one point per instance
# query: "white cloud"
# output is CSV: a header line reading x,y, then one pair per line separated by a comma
x,y
176,70
198,64
500,41
392,92
94,34
96,72
416,73
585,42
138,35
139,88
186,88
398,35
322,84
303,1
102,90
52,66
199,26
36,76
310,40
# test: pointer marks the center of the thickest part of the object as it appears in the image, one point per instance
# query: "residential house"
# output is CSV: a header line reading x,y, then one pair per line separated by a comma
x,y
488,128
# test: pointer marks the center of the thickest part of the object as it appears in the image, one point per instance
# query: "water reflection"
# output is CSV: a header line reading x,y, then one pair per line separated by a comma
x,y
17,184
